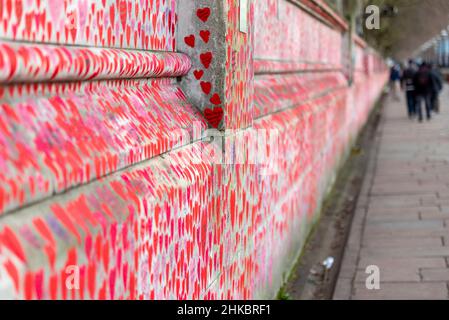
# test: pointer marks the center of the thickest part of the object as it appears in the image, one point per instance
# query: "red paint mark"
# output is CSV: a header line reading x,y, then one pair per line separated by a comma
x,y
13,273
112,276
215,99
205,35
132,286
28,286
190,41
206,59
203,14
105,252
9,239
125,275
198,74
88,246
102,292
44,231
214,116
123,8
51,255
66,221
206,87
91,279
39,284
54,287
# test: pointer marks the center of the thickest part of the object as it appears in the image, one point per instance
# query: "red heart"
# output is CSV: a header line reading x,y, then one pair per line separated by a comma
x,y
215,99
112,15
206,59
10,241
123,13
206,86
91,280
205,35
198,74
203,14
214,116
190,41
19,10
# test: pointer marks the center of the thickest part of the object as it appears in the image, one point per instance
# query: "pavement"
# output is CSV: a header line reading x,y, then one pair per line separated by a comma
x,y
400,231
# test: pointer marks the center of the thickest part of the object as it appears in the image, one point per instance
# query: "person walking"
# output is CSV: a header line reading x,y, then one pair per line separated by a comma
x,y
422,81
437,87
408,86
395,78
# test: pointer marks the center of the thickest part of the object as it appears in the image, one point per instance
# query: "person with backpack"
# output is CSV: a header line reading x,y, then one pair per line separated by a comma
x,y
422,82
409,88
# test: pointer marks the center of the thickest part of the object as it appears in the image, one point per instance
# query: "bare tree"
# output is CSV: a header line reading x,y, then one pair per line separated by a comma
x,y
415,22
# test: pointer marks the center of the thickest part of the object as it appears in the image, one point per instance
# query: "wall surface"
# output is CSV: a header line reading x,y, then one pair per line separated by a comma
x,y
110,183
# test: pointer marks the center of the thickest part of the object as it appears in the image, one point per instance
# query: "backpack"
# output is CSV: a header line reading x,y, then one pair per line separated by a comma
x,y
408,76
423,79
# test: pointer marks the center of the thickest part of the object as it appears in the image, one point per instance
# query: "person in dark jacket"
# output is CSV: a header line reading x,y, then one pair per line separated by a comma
x,y
422,81
409,88
437,86
395,78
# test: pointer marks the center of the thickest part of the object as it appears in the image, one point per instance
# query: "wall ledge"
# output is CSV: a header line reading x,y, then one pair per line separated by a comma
x,y
30,63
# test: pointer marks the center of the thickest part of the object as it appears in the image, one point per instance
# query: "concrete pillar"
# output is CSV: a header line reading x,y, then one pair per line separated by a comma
x,y
218,37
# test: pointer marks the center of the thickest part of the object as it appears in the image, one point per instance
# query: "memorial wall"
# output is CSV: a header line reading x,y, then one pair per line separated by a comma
x,y
163,149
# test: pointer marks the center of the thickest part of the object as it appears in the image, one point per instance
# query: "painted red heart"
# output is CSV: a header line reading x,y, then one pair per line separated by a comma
x,y
190,41
19,10
123,13
198,74
214,116
112,15
206,59
205,35
215,99
10,241
203,14
206,86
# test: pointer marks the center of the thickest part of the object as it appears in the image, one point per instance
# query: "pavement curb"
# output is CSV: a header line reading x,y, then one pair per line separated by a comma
x,y
348,269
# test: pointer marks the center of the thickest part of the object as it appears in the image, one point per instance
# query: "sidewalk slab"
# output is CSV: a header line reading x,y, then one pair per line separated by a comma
x,y
404,229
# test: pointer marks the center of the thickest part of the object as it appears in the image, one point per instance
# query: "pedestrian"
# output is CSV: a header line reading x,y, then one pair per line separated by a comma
x,y
395,78
422,82
437,87
409,88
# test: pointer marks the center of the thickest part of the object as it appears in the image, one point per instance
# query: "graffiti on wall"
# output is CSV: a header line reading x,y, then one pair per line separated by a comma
x,y
92,182
280,46
139,24
220,82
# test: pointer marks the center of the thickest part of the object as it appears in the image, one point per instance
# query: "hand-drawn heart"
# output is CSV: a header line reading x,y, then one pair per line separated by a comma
x,y
123,12
198,74
203,14
112,15
190,41
214,116
215,99
19,11
206,86
205,35
10,240
206,59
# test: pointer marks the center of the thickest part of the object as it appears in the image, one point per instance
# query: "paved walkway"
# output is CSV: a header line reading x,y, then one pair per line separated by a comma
x,y
402,219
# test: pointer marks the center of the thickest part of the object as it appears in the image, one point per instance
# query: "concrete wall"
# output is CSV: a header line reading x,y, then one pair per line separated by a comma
x,y
163,151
